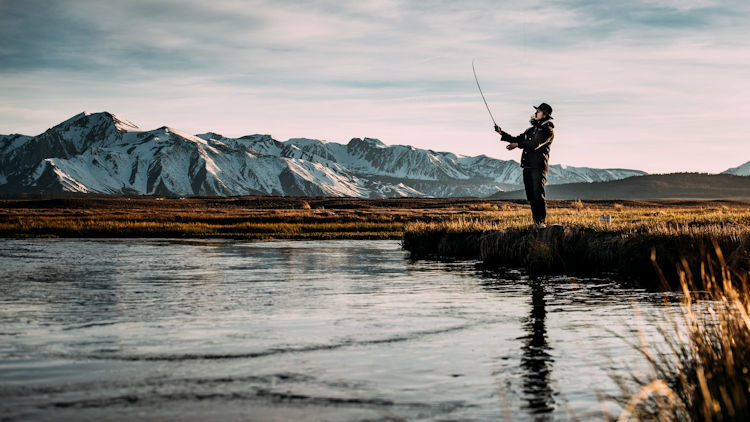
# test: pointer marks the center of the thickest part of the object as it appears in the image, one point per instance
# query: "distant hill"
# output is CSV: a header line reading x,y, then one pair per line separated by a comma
x,y
653,186
742,170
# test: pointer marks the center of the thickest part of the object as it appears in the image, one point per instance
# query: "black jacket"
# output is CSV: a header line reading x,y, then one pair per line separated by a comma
x,y
535,142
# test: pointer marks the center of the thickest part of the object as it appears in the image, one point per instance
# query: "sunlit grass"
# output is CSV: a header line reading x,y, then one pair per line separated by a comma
x,y
390,219
576,241
630,220
703,372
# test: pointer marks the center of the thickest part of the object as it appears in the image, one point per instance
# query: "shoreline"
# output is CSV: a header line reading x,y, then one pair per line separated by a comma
x,y
496,232
648,259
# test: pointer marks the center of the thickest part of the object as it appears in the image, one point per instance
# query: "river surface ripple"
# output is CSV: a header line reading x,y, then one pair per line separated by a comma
x,y
301,330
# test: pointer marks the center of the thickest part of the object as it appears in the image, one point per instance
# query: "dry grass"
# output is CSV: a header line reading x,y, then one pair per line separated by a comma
x,y
257,217
272,217
669,220
703,372
576,240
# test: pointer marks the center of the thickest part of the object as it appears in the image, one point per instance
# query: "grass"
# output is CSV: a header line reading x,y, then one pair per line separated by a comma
x,y
269,215
636,218
576,241
703,372
495,231
254,218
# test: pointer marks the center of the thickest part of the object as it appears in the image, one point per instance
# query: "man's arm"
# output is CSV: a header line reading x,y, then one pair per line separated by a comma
x,y
507,137
544,135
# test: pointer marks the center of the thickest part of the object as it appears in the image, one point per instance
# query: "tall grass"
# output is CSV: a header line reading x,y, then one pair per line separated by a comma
x,y
576,241
428,218
703,372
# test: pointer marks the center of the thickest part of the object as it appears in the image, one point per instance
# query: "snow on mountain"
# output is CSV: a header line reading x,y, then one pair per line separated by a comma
x,y
559,174
104,153
372,157
506,172
742,170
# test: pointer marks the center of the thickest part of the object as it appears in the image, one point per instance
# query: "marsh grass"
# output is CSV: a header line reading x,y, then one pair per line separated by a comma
x,y
576,241
702,373
419,220
253,218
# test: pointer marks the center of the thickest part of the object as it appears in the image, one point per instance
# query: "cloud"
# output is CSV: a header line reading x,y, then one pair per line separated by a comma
x,y
662,75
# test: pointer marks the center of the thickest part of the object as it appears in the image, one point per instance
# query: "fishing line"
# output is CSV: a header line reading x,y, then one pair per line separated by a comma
x,y
481,93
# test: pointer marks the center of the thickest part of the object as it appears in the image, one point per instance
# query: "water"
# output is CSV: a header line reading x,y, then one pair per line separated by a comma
x,y
314,330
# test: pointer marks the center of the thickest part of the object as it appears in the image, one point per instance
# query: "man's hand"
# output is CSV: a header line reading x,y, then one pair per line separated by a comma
x,y
511,146
497,129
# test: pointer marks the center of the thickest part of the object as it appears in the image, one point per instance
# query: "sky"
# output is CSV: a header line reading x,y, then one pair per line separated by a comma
x,y
660,86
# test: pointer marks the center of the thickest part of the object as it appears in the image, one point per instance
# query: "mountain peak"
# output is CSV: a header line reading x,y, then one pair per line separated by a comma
x,y
303,142
84,119
74,119
369,142
210,135
257,136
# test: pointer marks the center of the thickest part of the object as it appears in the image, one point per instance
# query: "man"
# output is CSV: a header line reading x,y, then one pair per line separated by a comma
x,y
535,142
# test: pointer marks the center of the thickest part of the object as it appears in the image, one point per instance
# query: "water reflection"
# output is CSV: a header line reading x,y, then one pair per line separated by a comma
x,y
536,360
344,330
536,352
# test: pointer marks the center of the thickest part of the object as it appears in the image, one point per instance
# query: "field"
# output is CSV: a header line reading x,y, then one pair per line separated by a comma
x,y
244,218
302,218
493,231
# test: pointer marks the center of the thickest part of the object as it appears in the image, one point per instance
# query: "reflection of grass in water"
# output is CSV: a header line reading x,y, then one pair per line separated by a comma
x,y
703,371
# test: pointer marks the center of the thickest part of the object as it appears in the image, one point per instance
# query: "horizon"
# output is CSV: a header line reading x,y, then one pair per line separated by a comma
x,y
656,86
344,142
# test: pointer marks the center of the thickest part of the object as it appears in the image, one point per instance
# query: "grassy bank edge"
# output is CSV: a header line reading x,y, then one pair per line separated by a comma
x,y
642,257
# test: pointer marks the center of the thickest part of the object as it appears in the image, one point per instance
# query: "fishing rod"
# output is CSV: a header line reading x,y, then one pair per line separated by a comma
x,y
485,100
481,93
488,107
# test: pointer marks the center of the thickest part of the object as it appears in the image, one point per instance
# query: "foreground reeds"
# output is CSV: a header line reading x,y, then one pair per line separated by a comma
x,y
702,373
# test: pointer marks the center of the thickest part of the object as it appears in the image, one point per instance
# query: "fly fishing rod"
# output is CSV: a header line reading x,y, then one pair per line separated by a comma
x,y
481,93
485,100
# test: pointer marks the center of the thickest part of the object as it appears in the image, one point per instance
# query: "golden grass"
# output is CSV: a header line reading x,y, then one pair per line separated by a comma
x,y
577,242
703,372
287,218
671,220
267,217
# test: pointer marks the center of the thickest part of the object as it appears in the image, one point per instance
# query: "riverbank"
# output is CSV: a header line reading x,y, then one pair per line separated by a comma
x,y
496,232
643,243
76,216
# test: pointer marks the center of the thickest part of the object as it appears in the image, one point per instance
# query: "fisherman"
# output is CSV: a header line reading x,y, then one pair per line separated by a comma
x,y
535,142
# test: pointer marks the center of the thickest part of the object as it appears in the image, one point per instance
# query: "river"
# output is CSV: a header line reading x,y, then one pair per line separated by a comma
x,y
110,329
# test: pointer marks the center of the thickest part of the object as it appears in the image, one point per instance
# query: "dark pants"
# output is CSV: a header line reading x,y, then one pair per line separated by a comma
x,y
533,181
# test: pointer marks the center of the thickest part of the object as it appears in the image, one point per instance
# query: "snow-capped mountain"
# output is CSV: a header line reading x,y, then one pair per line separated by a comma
x,y
103,153
742,170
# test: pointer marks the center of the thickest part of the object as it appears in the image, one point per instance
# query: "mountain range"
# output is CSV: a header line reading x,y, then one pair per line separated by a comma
x,y
652,186
104,153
